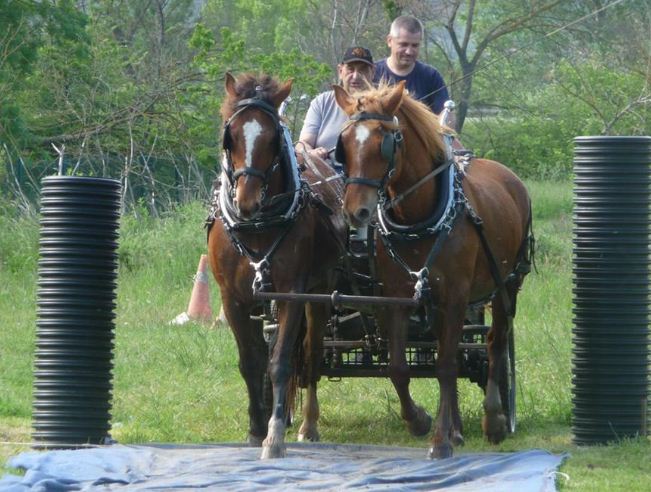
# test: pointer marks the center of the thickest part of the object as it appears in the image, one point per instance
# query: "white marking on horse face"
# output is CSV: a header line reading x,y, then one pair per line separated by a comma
x,y
252,130
361,134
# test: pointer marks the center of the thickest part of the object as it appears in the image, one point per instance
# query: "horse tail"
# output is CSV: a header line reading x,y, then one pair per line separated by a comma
x,y
526,254
298,374
523,263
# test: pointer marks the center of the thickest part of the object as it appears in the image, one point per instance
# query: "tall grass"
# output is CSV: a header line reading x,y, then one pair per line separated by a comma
x,y
181,383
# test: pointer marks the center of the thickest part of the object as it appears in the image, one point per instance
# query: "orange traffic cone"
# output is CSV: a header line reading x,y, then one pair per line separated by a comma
x,y
199,305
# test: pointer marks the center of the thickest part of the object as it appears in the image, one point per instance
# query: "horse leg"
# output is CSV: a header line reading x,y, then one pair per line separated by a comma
x,y
418,421
309,430
447,428
456,432
253,354
316,321
494,421
281,369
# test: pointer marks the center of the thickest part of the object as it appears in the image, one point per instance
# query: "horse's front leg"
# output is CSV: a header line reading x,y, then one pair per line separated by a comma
x,y
281,370
395,322
253,354
317,315
447,428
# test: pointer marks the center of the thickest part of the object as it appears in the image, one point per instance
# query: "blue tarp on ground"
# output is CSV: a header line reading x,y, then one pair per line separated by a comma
x,y
307,467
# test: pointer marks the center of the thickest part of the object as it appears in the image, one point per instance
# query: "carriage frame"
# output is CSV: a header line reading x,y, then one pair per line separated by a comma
x,y
354,347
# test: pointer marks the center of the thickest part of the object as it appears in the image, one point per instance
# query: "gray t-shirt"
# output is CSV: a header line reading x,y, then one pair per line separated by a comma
x,y
325,119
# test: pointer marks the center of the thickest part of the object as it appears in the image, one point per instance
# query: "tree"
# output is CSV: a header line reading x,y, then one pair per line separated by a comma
x,y
25,27
464,32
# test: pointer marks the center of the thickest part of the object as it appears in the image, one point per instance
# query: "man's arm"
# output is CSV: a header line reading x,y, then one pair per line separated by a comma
x,y
306,143
310,131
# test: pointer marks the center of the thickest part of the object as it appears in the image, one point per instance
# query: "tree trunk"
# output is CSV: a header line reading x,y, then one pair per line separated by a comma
x,y
463,94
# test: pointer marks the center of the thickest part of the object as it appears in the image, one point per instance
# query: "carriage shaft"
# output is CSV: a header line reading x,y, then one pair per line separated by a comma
x,y
336,299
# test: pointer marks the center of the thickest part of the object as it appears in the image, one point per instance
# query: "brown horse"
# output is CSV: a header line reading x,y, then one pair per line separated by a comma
x,y
271,231
454,240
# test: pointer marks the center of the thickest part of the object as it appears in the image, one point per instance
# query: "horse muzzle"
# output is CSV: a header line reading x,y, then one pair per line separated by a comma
x,y
248,203
359,212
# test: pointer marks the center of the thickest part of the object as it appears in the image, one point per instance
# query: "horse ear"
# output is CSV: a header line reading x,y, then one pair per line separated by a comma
x,y
282,93
229,83
394,100
344,100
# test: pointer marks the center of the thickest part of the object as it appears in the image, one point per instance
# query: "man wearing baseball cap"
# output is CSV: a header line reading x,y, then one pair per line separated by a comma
x,y
325,119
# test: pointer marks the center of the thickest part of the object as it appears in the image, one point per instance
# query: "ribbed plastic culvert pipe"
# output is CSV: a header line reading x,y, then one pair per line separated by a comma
x,y
610,356
75,317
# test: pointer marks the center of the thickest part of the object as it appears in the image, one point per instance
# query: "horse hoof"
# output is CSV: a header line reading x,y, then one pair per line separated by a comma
x,y
440,452
494,428
421,425
255,441
457,439
272,452
309,435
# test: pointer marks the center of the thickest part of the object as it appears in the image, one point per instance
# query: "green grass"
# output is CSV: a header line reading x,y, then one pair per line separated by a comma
x,y
181,383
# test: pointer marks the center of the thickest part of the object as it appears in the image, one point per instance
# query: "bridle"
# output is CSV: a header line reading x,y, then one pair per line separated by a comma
x,y
391,141
281,211
227,143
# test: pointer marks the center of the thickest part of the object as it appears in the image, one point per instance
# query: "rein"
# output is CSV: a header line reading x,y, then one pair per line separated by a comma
x,y
436,171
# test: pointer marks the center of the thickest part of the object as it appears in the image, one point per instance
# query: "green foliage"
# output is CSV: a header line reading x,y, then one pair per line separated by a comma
x,y
18,243
603,94
392,9
533,148
135,91
535,138
176,239
26,27
230,52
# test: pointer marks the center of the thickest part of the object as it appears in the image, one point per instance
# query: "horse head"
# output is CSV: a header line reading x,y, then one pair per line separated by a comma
x,y
387,128
367,148
252,140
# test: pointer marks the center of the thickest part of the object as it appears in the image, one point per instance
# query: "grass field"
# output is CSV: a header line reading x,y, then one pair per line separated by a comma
x,y
181,383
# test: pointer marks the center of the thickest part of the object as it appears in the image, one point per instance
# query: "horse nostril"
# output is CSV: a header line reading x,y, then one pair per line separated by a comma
x,y
363,214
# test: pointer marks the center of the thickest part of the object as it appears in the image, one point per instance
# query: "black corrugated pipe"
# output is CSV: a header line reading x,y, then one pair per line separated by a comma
x,y
610,355
75,320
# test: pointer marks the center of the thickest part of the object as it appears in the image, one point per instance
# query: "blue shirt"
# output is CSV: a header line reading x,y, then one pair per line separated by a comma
x,y
423,82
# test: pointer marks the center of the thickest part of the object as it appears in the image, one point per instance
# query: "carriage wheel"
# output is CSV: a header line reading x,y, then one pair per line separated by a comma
x,y
507,385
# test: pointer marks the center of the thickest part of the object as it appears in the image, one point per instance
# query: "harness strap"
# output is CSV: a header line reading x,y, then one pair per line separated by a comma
x,y
422,289
262,268
437,170
249,171
373,183
492,265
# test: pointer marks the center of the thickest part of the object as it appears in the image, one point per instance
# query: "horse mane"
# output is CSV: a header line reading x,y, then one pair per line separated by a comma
x,y
245,85
414,117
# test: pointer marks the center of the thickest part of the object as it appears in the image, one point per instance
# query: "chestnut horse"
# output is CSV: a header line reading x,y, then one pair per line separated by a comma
x,y
269,230
456,239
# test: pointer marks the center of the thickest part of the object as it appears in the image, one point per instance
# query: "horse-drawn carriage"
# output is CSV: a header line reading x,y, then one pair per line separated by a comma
x,y
382,272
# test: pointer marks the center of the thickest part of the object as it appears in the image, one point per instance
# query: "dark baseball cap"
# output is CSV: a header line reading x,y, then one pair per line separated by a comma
x,y
357,53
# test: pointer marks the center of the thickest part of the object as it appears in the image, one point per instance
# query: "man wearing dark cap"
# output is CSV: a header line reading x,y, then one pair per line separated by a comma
x,y
325,119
